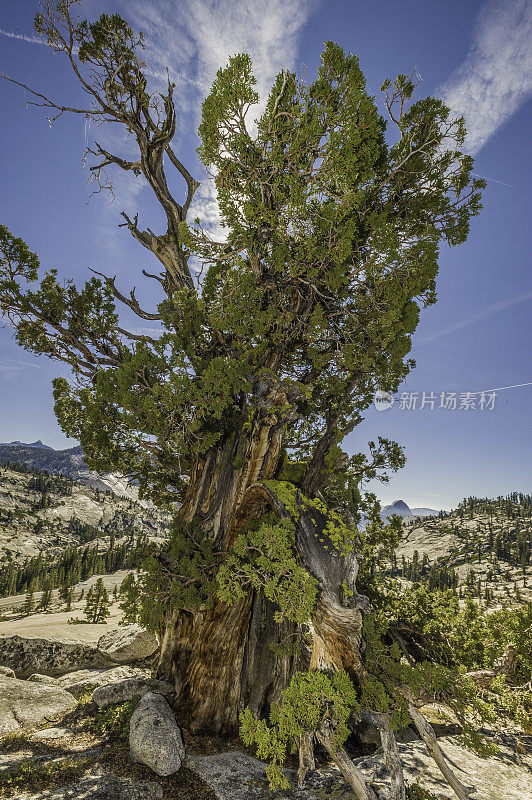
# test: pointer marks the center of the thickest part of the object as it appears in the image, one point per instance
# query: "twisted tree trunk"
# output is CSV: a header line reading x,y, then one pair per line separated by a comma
x,y
223,658
220,658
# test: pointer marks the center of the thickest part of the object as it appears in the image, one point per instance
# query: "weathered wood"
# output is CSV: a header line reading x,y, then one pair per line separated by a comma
x,y
352,775
306,756
429,737
221,658
392,758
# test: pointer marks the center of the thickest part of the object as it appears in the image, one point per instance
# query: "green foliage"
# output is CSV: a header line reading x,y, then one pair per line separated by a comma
x,y
112,721
415,792
29,604
469,636
97,604
263,558
34,775
182,577
454,640
332,243
310,698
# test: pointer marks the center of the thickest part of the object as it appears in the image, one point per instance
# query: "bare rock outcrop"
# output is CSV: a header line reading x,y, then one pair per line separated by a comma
x,y
101,787
28,655
130,689
86,680
128,644
237,776
24,704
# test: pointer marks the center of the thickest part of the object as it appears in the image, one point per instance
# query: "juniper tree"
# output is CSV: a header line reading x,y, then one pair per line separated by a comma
x,y
235,411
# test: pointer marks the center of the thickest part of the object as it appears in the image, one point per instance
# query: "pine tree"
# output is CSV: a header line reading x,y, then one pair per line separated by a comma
x,y
46,597
29,604
65,591
97,604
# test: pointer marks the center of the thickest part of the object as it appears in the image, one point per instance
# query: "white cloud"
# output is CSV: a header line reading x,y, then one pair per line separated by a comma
x,y
486,312
195,42
496,77
10,367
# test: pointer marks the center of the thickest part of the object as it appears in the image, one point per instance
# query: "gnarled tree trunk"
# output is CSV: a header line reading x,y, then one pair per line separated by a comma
x,y
221,658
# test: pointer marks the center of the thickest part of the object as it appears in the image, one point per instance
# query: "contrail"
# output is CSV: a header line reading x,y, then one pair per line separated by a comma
x,y
23,37
501,388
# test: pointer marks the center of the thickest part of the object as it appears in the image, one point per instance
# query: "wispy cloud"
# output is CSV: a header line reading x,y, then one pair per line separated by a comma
x,y
486,312
10,367
496,77
195,44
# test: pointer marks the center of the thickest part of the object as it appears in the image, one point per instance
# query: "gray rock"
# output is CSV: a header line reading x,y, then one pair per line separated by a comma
x,y
52,733
155,737
237,776
129,689
24,705
86,680
38,677
127,644
101,787
507,775
25,656
7,671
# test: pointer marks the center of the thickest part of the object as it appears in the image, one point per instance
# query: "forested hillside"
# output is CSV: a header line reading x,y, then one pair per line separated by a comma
x,y
482,549
54,529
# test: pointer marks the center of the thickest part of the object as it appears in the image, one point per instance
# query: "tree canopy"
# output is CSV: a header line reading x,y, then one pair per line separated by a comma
x,y
333,216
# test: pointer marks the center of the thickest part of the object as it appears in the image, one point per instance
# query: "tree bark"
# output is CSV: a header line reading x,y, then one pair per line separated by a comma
x,y
221,658
306,756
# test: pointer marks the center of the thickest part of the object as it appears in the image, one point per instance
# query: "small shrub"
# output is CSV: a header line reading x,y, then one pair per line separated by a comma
x,y
112,721
415,792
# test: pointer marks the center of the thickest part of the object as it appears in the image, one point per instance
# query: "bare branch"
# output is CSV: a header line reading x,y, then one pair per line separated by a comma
x,y
130,301
192,184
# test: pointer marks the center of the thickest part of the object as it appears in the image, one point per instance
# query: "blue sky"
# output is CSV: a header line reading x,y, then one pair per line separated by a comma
x,y
476,55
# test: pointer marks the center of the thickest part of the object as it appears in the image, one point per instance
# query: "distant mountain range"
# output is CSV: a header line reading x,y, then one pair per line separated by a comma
x,y
38,444
400,508
69,462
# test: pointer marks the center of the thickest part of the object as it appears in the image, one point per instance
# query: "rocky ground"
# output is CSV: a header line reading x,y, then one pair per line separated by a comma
x,y
82,717
464,546
108,732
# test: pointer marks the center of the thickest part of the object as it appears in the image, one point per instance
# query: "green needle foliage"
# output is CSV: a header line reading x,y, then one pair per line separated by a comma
x,y
97,604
